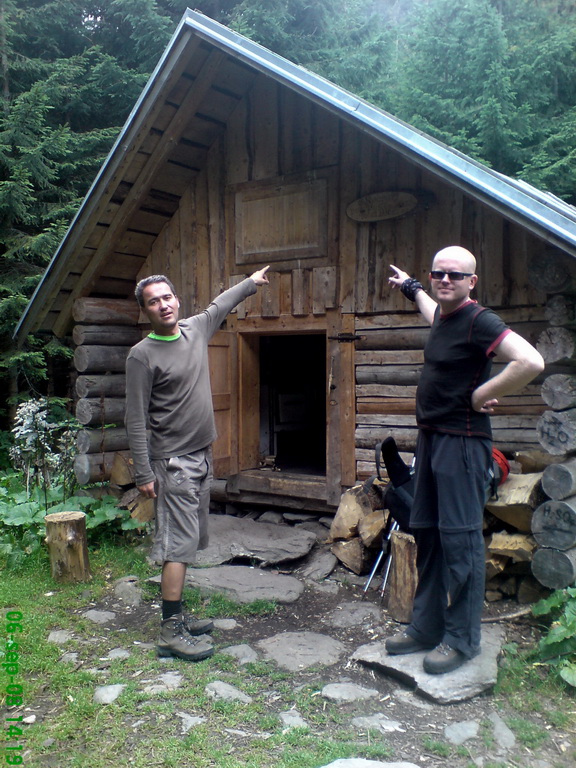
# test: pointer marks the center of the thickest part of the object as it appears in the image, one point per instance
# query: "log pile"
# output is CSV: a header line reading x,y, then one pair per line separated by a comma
x,y
554,528
123,482
513,533
557,345
356,530
105,331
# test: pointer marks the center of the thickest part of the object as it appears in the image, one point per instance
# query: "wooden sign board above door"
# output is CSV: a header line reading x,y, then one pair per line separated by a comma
x,y
391,204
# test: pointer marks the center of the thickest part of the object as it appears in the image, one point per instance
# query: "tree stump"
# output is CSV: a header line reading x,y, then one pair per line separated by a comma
x,y
403,576
553,568
67,546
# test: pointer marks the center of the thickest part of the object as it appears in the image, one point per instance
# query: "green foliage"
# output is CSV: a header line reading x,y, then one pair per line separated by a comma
x,y
43,446
343,40
558,646
42,452
22,513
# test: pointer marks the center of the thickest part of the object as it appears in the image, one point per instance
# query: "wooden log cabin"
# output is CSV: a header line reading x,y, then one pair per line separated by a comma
x,y
234,158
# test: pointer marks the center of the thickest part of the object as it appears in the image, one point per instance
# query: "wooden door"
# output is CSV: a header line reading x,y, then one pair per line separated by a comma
x,y
223,377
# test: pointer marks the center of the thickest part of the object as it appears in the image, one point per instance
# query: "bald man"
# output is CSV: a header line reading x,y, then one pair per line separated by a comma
x,y
454,400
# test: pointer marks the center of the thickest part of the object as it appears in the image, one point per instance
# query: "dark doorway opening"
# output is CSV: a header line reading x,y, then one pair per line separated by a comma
x,y
293,402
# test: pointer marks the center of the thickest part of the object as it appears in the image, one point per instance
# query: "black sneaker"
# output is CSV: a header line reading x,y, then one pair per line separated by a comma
x,y
443,659
404,643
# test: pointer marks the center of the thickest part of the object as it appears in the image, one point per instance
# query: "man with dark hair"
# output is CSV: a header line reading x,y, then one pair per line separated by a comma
x,y
454,398
139,290
168,389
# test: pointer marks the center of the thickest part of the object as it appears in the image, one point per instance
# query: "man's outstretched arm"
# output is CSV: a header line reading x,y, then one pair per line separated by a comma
x,y
425,303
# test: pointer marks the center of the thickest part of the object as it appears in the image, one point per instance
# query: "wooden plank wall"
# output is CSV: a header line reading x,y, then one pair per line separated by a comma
x,y
274,134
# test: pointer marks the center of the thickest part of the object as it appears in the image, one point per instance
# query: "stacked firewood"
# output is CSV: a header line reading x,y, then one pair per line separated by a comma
x,y
517,541
554,527
123,483
554,522
510,544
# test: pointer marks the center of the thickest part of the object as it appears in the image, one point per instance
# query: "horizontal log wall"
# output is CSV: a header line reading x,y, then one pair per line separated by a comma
x,y
105,331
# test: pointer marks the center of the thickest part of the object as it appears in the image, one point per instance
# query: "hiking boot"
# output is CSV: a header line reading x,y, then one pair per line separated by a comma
x,y
174,640
196,627
403,643
443,659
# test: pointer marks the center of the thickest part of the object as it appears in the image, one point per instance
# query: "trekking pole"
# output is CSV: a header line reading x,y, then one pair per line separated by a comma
x,y
393,527
372,574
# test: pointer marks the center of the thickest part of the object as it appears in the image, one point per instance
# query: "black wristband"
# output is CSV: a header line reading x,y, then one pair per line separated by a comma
x,y
410,288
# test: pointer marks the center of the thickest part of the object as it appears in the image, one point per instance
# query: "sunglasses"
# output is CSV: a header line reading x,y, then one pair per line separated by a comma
x,y
437,274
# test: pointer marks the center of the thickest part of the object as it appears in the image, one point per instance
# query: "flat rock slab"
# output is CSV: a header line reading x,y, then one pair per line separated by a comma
x,y
220,690
320,566
244,584
348,692
242,653
232,537
377,722
354,614
99,617
298,650
473,678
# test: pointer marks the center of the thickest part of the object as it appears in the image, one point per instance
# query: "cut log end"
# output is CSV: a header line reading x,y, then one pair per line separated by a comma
x,y
554,569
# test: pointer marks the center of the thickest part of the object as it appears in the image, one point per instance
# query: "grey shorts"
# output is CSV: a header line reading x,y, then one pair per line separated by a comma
x,y
182,506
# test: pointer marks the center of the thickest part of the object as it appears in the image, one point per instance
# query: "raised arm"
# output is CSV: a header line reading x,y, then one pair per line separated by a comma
x,y
260,277
524,364
425,303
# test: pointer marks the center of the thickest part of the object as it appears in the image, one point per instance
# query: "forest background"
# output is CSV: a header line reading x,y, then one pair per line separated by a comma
x,y
495,79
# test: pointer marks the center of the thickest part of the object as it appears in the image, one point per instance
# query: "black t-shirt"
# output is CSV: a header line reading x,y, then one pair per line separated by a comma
x,y
457,360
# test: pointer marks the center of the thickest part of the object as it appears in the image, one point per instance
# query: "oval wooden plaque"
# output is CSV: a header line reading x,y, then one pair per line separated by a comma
x,y
382,205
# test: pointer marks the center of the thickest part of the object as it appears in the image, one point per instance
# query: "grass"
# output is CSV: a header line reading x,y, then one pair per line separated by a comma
x,y
531,688
141,729
144,730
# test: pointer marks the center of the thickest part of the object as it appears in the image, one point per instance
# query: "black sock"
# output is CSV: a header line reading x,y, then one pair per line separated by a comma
x,y
170,608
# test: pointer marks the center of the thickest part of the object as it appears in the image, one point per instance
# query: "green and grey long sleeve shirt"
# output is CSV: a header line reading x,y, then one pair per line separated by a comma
x,y
168,387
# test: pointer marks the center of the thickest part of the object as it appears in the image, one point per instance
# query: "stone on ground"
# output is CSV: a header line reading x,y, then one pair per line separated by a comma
x,y
244,584
471,679
348,692
227,692
99,617
377,722
298,650
244,654
233,537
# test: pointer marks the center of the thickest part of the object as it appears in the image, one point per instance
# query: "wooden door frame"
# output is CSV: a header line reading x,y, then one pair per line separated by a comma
x,y
340,392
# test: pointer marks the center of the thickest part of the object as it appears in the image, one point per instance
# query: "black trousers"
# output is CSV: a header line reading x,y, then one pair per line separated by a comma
x,y
446,519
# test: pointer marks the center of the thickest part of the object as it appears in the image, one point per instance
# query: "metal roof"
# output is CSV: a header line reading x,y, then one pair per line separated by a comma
x,y
540,212
516,199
